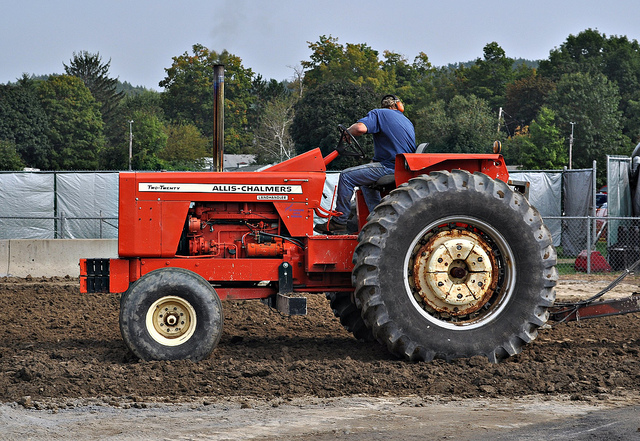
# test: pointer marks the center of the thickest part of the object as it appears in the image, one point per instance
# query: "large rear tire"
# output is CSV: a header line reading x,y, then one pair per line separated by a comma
x,y
350,315
454,265
171,314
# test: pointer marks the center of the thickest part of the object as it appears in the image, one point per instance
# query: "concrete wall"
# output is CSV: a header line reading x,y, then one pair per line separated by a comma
x,y
51,257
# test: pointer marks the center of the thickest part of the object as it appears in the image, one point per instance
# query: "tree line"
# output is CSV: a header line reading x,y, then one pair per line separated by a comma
x,y
82,119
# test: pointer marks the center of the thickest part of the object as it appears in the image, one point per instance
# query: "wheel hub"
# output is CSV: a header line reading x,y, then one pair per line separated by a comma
x,y
171,320
453,272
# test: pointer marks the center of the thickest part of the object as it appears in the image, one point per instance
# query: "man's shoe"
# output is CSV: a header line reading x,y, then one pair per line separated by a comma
x,y
331,227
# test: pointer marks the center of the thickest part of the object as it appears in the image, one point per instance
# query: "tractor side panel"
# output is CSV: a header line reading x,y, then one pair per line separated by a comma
x,y
148,226
154,207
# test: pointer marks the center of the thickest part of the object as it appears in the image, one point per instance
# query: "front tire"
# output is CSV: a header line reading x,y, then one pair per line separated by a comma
x,y
171,314
454,265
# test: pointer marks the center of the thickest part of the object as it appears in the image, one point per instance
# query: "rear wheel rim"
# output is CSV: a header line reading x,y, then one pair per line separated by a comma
x,y
171,320
459,272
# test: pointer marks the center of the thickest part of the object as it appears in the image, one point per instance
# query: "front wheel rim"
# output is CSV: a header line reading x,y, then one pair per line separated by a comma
x,y
171,321
459,272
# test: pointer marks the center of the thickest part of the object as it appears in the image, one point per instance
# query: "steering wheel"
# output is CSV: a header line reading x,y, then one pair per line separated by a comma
x,y
349,145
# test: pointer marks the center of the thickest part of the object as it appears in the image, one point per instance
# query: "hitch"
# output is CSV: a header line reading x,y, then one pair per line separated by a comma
x,y
287,305
597,309
282,301
589,308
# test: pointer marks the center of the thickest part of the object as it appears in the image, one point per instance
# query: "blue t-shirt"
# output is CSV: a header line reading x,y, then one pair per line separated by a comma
x,y
393,133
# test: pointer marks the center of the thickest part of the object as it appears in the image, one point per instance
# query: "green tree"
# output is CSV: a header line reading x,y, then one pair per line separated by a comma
x,y
489,76
446,83
9,157
615,57
75,124
543,147
324,53
148,101
591,102
149,139
188,95
525,97
514,144
95,75
24,123
413,81
115,156
356,63
583,53
464,125
321,109
264,92
185,147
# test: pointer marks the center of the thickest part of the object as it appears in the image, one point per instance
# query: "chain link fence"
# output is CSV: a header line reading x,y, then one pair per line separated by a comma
x,y
63,227
597,244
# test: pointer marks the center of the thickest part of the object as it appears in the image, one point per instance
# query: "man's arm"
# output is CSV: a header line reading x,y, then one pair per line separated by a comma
x,y
357,129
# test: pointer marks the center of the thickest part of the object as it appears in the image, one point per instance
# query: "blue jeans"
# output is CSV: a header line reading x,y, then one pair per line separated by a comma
x,y
360,176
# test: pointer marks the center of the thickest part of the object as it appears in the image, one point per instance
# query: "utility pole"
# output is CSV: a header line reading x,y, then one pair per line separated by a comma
x,y
130,142
571,144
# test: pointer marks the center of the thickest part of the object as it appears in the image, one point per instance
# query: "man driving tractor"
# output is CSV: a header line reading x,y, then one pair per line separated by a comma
x,y
393,133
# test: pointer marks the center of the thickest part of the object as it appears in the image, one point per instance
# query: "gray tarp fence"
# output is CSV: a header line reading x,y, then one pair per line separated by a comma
x,y
557,193
545,193
29,199
49,205
619,201
579,193
82,195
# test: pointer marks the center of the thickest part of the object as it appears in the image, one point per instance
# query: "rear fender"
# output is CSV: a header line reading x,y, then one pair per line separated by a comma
x,y
410,165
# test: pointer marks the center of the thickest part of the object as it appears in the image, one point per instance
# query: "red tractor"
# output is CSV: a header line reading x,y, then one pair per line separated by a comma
x,y
454,262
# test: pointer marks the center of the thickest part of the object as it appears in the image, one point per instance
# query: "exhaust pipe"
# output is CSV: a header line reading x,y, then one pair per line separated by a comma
x,y
218,118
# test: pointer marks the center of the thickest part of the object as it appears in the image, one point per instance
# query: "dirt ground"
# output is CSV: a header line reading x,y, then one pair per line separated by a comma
x,y
61,349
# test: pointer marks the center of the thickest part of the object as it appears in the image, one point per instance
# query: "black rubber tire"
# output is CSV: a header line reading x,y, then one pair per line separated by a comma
x,y
349,315
405,222
186,292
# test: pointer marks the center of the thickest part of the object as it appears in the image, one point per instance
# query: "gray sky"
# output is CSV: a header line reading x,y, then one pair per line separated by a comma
x,y
141,36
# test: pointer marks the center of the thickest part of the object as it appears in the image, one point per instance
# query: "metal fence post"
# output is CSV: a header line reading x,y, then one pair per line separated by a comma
x,y
61,235
588,244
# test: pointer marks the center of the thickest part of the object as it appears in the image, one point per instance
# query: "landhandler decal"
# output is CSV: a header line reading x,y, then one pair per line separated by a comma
x,y
220,188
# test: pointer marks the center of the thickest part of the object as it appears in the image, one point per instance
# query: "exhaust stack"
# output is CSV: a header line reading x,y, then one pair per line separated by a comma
x,y
218,118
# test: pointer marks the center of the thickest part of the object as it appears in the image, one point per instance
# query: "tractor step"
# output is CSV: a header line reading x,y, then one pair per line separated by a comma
x,y
286,304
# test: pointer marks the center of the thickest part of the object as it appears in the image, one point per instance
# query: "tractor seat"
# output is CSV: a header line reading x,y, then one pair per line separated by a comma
x,y
385,183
